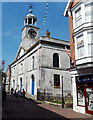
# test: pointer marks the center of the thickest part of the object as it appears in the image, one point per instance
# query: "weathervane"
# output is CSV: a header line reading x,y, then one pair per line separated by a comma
x,y
30,7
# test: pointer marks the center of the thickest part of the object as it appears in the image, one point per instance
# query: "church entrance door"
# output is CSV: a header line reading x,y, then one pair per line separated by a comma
x,y
20,83
33,82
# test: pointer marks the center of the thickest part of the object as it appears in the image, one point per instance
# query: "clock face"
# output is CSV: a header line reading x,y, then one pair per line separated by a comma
x,y
32,33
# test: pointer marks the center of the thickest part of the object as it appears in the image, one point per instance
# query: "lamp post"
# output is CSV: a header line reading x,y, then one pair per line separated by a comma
x,y
62,94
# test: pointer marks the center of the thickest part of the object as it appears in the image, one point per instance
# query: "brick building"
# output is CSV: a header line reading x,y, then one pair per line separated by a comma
x,y
80,17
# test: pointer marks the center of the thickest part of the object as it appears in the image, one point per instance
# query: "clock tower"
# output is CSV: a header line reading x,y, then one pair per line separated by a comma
x,y
30,31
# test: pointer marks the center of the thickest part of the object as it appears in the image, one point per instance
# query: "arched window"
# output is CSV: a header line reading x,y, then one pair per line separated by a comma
x,y
33,60
14,84
21,84
21,67
55,60
32,77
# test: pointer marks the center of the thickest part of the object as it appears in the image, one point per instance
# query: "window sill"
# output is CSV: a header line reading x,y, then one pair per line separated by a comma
x,y
81,105
57,87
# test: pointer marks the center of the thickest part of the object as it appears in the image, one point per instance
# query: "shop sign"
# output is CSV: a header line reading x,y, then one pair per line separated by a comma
x,y
82,79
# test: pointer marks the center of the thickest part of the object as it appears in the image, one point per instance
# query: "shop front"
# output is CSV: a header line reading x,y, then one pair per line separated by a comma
x,y
84,90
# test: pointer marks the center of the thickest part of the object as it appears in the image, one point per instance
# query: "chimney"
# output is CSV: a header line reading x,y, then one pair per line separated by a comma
x,y
47,33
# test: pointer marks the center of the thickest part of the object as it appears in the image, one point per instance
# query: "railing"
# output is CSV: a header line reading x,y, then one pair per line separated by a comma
x,y
47,95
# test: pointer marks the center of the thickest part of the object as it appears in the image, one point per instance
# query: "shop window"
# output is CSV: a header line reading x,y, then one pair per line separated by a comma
x,y
56,80
80,96
55,60
89,99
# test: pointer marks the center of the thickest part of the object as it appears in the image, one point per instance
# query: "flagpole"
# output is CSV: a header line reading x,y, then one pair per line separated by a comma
x,y
71,59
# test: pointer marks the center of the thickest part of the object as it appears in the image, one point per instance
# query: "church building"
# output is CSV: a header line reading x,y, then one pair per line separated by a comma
x,y
40,63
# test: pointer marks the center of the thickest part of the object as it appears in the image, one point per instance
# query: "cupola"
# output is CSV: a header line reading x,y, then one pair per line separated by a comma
x,y
30,30
30,19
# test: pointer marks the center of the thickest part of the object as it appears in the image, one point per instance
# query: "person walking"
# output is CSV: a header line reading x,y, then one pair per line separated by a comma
x,y
15,91
12,90
23,94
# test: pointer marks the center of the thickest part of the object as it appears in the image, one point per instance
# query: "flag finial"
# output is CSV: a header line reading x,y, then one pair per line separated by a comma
x,y
30,7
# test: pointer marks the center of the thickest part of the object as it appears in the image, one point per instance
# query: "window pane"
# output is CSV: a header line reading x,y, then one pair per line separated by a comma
x,y
89,98
90,37
88,12
78,18
80,95
78,22
55,60
33,60
80,46
77,13
89,49
90,42
56,80
80,41
80,51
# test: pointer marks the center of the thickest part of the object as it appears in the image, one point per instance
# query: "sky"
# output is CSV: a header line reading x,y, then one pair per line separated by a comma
x,y
0,33
13,14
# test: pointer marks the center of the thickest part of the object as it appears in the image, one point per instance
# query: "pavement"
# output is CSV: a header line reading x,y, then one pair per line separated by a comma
x,y
19,108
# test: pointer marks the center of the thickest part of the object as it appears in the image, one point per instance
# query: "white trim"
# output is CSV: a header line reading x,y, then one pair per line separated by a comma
x,y
67,7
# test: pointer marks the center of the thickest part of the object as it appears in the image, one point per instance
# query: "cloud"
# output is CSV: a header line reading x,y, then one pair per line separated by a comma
x,y
10,34
7,33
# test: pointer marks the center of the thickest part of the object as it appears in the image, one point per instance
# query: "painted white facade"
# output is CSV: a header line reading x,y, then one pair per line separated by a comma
x,y
35,58
82,74
84,56
84,28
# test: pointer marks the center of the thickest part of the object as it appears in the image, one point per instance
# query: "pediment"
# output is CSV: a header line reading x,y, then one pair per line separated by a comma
x,y
20,52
